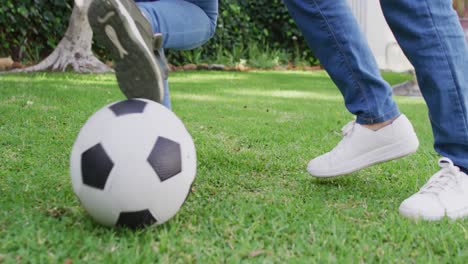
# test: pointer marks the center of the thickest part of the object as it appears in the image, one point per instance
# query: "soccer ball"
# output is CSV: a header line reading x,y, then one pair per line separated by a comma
x,y
133,164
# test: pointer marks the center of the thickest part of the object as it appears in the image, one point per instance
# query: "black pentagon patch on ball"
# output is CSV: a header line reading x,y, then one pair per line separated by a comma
x,y
127,107
96,167
136,220
165,158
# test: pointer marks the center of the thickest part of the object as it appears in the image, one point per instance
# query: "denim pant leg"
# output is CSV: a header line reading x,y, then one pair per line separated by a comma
x,y
332,32
431,37
183,24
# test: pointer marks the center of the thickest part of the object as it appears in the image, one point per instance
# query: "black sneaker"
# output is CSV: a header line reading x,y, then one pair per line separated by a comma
x,y
120,26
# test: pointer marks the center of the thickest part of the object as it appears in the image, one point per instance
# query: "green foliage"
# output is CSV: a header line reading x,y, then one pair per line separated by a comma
x,y
252,201
266,58
30,29
266,23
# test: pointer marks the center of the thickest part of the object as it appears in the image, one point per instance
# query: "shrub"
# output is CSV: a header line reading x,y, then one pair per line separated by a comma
x,y
265,58
265,23
30,29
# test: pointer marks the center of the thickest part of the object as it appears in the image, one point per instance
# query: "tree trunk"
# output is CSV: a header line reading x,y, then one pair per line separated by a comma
x,y
74,50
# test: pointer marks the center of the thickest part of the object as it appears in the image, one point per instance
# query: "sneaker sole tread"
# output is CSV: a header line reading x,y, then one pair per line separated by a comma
x,y
137,71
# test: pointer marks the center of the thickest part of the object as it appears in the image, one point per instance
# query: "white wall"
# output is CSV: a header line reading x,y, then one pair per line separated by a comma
x,y
387,52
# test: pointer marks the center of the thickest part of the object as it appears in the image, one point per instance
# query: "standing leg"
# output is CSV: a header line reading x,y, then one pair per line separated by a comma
x,y
431,36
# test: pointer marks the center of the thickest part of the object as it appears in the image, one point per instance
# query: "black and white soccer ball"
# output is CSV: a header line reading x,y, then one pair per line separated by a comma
x,y
133,164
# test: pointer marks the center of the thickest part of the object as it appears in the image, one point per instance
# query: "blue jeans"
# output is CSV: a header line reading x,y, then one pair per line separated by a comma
x,y
429,33
184,24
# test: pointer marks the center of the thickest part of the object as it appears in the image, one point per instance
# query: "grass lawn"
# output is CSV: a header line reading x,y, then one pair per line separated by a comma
x,y
253,200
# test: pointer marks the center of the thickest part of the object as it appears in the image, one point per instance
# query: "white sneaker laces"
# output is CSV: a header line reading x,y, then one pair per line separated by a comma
x,y
346,131
348,128
448,177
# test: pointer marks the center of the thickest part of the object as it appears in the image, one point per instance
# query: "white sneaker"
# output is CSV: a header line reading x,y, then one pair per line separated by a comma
x,y
445,194
362,147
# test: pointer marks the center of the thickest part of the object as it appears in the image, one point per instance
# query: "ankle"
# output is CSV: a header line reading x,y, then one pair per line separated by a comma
x,y
378,126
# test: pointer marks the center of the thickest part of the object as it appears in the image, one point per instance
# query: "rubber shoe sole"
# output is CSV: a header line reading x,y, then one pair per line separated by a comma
x,y
137,71
386,153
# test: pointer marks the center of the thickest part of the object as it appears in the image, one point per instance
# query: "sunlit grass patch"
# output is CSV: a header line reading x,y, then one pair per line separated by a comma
x,y
252,200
